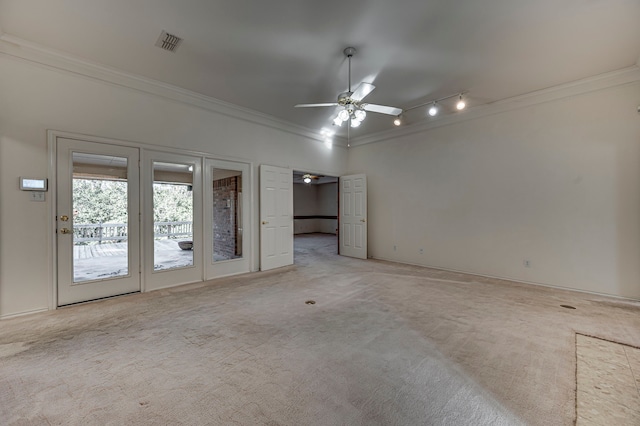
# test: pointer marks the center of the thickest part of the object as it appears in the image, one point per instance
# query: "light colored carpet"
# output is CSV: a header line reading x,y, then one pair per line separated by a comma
x,y
608,379
385,344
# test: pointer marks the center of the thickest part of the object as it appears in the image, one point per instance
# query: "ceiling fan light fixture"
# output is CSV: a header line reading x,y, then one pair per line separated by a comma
x,y
461,103
343,115
353,108
306,178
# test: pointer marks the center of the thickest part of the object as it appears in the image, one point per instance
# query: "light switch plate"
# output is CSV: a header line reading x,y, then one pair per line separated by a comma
x,y
36,196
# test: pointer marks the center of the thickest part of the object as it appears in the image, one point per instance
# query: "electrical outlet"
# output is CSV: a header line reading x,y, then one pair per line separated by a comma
x,y
526,263
421,251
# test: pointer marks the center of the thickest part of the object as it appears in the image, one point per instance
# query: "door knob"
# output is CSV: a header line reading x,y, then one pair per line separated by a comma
x,y
65,231
264,222
363,220
64,218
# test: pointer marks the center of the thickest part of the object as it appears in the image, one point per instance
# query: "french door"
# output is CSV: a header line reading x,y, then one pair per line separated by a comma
x,y
172,217
131,219
97,220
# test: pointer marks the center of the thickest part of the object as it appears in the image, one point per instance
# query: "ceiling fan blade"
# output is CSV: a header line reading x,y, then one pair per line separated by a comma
x,y
362,91
315,105
382,109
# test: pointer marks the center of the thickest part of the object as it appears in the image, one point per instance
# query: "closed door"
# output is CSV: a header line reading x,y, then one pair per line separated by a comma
x,y
97,221
353,216
227,218
173,219
276,217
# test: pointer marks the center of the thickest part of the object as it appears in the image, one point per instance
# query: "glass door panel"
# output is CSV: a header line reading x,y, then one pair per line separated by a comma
x,y
100,217
228,224
227,214
172,215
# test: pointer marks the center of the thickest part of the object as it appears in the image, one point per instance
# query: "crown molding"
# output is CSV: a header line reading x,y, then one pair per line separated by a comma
x,y
574,88
39,55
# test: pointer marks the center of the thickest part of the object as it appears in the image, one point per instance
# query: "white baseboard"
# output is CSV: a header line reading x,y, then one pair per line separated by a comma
x,y
515,280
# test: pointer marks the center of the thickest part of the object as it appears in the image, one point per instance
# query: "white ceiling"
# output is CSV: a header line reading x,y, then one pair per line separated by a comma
x,y
271,55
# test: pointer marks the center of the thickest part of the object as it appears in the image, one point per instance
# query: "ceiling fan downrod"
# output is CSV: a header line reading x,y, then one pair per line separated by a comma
x,y
349,52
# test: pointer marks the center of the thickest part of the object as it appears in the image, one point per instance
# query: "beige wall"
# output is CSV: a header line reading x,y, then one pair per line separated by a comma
x,y
34,98
556,183
315,200
305,199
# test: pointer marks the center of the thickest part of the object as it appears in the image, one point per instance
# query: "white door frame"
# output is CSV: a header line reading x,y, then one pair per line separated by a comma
x,y
155,280
68,291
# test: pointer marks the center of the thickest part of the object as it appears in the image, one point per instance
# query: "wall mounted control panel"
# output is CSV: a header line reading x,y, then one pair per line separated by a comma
x,y
33,184
36,187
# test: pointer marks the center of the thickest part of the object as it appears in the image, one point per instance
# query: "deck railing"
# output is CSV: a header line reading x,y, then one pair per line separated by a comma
x,y
117,232
172,230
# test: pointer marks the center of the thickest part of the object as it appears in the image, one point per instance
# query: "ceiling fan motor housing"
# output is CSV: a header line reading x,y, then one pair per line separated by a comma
x,y
344,98
349,51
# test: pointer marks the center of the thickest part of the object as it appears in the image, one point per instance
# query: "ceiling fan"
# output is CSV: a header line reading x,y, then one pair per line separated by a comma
x,y
308,177
355,110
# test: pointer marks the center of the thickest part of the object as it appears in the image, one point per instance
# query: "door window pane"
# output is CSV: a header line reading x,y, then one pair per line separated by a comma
x,y
172,215
227,214
100,217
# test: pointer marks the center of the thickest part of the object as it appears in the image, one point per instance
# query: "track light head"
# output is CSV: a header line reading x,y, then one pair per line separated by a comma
x,y
398,120
433,111
461,103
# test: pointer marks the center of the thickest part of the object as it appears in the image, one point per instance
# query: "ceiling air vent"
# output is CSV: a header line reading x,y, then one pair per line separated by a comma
x,y
168,41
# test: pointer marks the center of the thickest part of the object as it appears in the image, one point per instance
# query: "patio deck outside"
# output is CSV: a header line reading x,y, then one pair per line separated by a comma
x,y
102,253
100,250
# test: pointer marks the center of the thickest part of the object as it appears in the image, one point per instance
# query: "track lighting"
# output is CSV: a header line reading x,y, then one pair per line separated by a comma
x,y
433,111
398,120
434,105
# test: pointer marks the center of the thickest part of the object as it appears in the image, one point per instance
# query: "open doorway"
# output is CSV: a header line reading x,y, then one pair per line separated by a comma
x,y
315,213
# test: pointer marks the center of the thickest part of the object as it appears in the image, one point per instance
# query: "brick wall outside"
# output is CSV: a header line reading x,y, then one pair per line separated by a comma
x,y
225,220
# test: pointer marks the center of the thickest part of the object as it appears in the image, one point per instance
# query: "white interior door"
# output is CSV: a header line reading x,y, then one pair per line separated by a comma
x,y
276,217
97,235
172,220
353,216
227,218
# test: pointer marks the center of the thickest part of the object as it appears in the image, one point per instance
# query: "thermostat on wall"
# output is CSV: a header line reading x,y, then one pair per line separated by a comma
x,y
33,184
